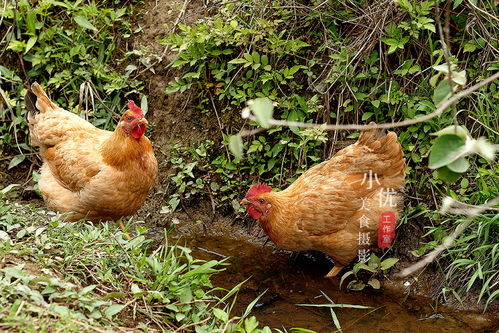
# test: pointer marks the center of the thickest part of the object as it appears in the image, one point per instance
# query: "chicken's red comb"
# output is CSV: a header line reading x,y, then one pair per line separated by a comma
x,y
258,189
135,109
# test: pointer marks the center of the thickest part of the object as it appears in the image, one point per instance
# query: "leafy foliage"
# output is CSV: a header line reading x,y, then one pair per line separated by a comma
x,y
62,45
91,276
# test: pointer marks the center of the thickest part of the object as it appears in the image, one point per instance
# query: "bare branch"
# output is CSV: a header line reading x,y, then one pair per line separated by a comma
x,y
441,108
453,206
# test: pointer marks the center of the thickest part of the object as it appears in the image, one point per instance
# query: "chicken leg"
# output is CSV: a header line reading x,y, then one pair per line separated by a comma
x,y
333,272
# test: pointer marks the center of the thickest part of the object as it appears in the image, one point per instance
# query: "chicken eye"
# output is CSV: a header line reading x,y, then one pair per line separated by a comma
x,y
261,201
128,118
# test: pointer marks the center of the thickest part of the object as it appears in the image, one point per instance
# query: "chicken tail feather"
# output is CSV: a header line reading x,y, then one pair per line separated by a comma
x,y
42,101
386,151
30,100
370,136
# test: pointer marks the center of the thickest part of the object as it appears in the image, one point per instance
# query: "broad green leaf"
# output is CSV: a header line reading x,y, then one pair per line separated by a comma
x,y
469,46
459,77
84,23
441,92
238,61
453,130
347,274
374,283
31,42
456,3
236,146
265,60
447,175
263,109
143,104
434,79
256,57
113,309
444,150
31,22
442,68
387,263
16,160
87,289
221,314
460,165
248,57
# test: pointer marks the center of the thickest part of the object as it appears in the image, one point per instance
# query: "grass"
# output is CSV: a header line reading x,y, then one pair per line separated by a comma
x,y
68,277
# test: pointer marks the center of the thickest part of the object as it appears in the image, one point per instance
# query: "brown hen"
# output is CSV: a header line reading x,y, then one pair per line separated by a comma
x,y
89,173
322,210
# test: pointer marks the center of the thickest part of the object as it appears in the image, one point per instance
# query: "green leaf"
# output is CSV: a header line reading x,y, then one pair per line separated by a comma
x,y
236,146
367,115
265,60
447,175
387,263
143,104
460,165
16,160
87,289
374,283
459,77
456,3
31,42
256,57
248,57
238,61
221,314
263,109
84,23
444,150
441,92
31,22
347,274
469,46
453,130
113,309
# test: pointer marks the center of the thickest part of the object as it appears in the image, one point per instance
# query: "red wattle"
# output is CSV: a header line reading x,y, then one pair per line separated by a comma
x,y
138,131
253,212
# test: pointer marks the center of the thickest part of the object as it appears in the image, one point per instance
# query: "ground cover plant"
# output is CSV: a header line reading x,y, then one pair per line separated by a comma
x,y
65,277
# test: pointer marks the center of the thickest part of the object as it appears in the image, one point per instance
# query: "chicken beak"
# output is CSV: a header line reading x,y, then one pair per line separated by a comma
x,y
143,121
244,201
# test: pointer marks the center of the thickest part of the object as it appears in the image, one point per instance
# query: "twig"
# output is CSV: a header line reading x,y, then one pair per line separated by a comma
x,y
13,119
441,108
210,252
102,102
219,124
487,127
183,327
471,212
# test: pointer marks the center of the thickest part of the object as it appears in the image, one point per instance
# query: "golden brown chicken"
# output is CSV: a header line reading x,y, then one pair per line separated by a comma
x,y
334,205
88,172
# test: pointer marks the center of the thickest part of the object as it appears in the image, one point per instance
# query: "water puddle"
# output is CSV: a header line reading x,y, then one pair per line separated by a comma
x,y
289,282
